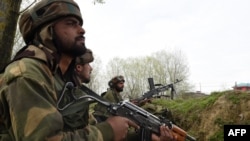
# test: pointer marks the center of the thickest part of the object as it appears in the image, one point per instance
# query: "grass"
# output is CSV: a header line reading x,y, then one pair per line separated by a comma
x,y
193,108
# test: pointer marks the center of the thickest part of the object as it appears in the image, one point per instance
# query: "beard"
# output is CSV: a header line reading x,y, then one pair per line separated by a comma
x,y
86,81
75,49
119,89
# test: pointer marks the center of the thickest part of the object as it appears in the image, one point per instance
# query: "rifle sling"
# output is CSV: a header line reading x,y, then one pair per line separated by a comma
x,y
93,94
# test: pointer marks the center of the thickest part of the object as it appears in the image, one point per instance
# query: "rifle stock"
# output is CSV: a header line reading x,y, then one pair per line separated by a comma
x,y
180,134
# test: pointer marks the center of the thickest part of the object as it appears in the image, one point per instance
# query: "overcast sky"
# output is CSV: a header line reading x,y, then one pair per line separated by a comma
x,y
213,34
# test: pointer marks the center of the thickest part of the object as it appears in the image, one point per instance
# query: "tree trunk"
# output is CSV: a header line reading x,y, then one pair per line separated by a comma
x,y
9,12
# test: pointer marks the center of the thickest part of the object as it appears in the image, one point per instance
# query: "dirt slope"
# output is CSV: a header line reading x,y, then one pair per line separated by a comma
x,y
221,108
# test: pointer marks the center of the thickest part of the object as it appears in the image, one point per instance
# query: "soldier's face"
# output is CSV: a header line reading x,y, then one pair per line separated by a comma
x,y
69,36
84,72
120,86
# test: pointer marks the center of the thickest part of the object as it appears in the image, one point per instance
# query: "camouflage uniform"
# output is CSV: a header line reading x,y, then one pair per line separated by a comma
x,y
158,110
86,58
113,96
100,111
30,88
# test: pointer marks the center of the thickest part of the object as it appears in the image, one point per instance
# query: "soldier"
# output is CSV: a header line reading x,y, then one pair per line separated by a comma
x,y
113,94
158,110
82,72
83,68
32,85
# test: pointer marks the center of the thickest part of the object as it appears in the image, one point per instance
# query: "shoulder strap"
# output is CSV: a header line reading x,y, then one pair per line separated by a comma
x,y
95,96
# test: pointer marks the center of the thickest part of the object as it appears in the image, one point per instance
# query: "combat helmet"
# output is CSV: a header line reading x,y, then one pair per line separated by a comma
x,y
115,80
87,57
44,12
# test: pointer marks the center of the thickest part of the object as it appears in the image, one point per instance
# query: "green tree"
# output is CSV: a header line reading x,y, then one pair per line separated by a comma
x,y
164,67
174,66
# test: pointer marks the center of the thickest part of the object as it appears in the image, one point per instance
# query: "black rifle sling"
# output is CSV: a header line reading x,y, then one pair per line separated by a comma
x,y
95,96
92,93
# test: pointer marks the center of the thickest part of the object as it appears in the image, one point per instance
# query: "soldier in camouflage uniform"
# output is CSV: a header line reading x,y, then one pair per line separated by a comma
x,y
82,72
34,102
32,84
113,95
116,85
83,68
157,110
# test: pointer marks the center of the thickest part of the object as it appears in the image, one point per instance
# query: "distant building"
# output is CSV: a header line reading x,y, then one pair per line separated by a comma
x,y
242,86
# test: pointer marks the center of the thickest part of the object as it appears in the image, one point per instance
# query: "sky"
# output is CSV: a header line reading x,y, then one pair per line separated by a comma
x,y
214,35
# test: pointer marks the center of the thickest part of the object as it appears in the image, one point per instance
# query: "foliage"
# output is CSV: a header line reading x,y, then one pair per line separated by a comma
x,y
217,136
187,106
164,67
204,117
237,96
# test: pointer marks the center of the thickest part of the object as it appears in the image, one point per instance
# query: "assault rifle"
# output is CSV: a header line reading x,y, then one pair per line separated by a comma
x,y
153,91
148,122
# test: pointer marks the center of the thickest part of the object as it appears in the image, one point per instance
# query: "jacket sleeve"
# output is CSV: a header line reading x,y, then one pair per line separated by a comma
x,y
101,110
31,97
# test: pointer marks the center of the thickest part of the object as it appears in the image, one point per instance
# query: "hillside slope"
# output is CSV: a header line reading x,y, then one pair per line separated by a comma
x,y
204,117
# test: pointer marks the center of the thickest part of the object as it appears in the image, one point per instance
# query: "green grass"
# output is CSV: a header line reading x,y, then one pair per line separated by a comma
x,y
192,108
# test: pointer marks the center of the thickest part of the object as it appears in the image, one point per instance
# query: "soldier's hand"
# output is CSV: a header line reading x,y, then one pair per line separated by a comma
x,y
166,135
143,102
120,126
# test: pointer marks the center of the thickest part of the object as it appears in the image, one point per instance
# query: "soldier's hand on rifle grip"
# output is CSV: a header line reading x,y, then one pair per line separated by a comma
x,y
120,126
166,135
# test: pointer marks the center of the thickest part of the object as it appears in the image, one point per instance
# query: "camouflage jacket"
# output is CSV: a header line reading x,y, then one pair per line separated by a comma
x,y
29,94
112,96
101,113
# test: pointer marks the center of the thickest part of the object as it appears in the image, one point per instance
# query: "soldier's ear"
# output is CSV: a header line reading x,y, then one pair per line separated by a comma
x,y
78,67
110,84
